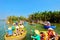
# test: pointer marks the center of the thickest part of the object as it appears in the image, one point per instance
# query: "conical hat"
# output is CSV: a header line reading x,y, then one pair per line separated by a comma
x,y
37,32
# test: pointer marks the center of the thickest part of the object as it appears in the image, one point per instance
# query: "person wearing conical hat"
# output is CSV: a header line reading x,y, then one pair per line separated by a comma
x,y
36,36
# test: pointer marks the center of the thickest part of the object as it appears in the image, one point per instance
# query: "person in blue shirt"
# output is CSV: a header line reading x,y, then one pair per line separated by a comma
x,y
10,32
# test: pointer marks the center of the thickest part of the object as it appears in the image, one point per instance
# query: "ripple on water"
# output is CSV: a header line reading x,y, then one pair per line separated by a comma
x,y
2,30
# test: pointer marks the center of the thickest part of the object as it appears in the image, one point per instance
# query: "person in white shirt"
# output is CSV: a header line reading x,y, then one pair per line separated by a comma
x,y
47,23
21,26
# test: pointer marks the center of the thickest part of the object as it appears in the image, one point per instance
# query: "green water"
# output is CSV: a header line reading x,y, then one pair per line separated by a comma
x,y
31,27
4,26
2,29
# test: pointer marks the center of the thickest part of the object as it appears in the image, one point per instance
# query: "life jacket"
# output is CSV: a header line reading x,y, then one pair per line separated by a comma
x,y
51,34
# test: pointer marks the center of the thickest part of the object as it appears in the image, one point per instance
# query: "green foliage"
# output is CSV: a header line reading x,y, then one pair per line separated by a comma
x,y
50,16
37,16
22,18
12,19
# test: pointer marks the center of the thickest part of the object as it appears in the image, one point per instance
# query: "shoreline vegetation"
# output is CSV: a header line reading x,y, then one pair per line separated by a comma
x,y
37,17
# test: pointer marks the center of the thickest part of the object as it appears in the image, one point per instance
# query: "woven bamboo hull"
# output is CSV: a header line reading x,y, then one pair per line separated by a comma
x,y
19,37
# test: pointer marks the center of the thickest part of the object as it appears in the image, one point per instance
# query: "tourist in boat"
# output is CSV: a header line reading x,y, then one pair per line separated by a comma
x,y
42,35
17,29
21,21
13,26
36,36
51,34
47,23
16,25
10,32
21,26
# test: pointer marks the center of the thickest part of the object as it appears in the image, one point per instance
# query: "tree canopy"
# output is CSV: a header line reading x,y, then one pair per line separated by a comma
x,y
46,16
52,16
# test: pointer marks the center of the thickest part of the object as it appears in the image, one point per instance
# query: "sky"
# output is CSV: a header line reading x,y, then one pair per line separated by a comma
x,y
26,7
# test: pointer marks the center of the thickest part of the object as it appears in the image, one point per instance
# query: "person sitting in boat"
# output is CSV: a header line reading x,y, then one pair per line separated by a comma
x,y
36,36
21,26
16,25
51,34
13,26
17,29
42,36
9,32
47,23
21,21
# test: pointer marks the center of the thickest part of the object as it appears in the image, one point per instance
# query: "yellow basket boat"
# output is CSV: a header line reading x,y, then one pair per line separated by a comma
x,y
19,37
46,35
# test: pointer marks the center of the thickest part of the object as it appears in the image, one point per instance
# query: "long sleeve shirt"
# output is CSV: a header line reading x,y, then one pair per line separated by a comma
x,y
37,37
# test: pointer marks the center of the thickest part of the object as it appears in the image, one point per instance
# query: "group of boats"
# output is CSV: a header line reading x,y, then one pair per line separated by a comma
x,y
22,33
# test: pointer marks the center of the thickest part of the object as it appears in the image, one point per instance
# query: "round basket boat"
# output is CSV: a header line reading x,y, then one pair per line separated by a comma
x,y
19,37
